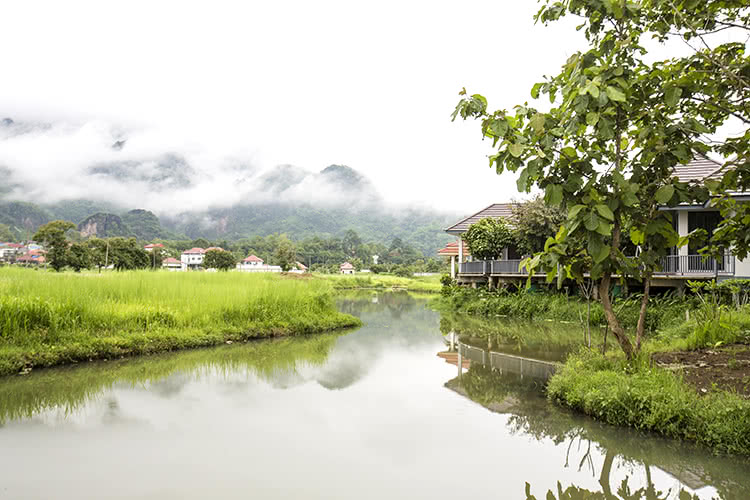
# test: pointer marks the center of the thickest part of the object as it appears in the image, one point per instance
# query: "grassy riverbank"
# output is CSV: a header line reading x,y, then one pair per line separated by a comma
x,y
424,284
648,398
706,403
49,319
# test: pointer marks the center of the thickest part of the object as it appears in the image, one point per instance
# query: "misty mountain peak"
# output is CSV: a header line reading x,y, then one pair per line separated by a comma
x,y
344,176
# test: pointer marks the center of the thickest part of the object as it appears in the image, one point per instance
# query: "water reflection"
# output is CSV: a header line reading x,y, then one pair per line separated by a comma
x,y
355,415
626,464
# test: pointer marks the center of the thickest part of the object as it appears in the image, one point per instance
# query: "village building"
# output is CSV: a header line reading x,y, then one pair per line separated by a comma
x,y
254,264
346,268
682,263
150,247
10,251
172,264
298,268
32,258
193,258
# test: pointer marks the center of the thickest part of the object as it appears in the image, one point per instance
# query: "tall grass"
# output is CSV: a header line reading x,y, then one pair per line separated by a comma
x,y
647,398
50,318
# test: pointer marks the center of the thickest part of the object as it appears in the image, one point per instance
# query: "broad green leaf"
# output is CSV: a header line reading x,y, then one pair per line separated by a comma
x,y
535,90
592,118
570,152
672,95
499,127
537,123
516,149
523,179
575,210
593,90
615,94
605,212
553,194
592,221
664,193
637,236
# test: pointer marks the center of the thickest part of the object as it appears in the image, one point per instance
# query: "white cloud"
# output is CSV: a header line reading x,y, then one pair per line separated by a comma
x,y
305,83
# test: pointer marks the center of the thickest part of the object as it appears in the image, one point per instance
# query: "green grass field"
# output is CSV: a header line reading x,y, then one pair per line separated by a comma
x,y
49,318
425,284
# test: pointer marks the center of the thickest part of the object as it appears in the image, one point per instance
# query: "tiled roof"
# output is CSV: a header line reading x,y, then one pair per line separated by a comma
x,y
496,210
253,258
346,265
154,245
194,251
301,266
171,260
214,248
699,169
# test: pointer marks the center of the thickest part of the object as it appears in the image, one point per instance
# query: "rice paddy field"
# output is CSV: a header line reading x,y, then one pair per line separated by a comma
x,y
51,318
423,284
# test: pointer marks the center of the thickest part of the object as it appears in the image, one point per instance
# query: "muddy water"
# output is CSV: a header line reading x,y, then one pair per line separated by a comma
x,y
373,413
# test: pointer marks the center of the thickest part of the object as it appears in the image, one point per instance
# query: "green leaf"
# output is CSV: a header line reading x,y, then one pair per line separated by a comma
x,y
570,152
593,90
664,193
535,90
672,95
605,212
553,194
537,123
516,149
592,221
498,127
615,94
637,236
575,210
597,250
592,118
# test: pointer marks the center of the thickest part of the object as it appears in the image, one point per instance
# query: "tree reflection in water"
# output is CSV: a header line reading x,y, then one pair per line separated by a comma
x,y
529,413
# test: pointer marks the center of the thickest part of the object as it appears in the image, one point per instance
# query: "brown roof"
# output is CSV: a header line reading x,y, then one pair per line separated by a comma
x,y
252,258
496,210
699,169
346,265
195,250
171,260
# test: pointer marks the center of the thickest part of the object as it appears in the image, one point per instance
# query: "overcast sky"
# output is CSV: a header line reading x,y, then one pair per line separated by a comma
x,y
369,85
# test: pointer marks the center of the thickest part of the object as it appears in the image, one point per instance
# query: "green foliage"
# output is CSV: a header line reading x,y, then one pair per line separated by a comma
x,y
618,125
127,254
219,259
48,318
52,235
79,257
23,218
488,238
104,225
145,225
534,222
5,233
651,399
285,254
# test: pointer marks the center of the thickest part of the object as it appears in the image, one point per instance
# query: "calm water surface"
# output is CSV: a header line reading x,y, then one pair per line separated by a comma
x,y
373,413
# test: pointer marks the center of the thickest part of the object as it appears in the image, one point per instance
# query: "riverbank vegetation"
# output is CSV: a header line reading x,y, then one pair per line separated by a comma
x,y
637,394
49,318
424,284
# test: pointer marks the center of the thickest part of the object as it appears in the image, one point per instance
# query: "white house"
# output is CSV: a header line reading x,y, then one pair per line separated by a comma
x,y
346,268
193,258
172,264
254,264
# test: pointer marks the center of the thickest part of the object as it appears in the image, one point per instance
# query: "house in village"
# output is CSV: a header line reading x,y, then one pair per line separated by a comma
x,y
10,251
346,268
193,258
154,246
298,268
254,264
682,264
171,264
32,258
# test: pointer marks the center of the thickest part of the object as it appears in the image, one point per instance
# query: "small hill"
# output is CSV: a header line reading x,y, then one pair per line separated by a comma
x,y
145,225
23,218
103,225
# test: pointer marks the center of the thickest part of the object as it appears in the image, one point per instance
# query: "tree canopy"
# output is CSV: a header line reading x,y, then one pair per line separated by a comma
x,y
52,235
488,238
618,125
219,259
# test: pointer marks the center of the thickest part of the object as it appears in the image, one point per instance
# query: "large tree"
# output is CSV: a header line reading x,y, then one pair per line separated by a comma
x,y
606,148
52,235
219,259
534,221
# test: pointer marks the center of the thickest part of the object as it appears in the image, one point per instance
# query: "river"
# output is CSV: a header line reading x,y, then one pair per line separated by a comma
x,y
373,413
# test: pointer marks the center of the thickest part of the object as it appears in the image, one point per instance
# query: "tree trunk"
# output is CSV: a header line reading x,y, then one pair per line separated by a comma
x,y
609,313
642,313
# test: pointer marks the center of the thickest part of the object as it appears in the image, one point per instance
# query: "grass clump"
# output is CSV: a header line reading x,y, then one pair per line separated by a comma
x,y
50,318
651,399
